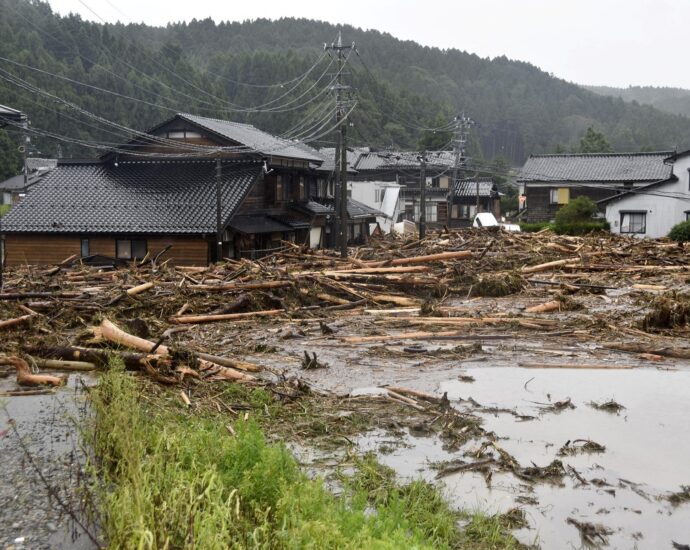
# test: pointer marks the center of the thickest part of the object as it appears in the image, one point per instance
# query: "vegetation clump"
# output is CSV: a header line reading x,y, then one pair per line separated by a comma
x,y
577,218
499,285
680,232
671,309
167,479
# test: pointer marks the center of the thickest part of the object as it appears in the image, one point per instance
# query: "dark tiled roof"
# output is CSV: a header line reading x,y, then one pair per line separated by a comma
x,y
134,197
293,220
252,137
414,191
355,209
597,167
328,153
381,160
468,188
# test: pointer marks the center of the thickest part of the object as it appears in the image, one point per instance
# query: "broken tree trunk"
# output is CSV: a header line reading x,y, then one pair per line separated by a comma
x,y
16,321
423,259
26,378
139,289
115,334
554,305
549,265
198,319
677,353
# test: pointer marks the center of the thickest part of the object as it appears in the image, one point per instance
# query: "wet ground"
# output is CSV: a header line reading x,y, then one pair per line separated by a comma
x,y
623,488
42,467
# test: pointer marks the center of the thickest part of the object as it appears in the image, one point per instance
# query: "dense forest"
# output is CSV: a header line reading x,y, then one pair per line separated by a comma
x,y
670,100
136,76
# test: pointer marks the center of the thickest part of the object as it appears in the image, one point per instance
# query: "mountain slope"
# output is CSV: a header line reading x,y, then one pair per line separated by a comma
x,y
399,85
670,100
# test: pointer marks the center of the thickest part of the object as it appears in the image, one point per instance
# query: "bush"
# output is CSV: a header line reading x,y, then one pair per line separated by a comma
x,y
577,210
581,227
4,209
680,232
534,227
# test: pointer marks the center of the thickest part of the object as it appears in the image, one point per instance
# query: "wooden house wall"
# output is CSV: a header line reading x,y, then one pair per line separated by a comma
x,y
42,249
539,208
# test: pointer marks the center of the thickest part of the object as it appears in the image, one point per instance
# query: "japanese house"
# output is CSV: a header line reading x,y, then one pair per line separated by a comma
x,y
470,196
550,181
156,195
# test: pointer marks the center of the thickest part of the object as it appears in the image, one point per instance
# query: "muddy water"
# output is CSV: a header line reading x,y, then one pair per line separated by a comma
x,y
647,452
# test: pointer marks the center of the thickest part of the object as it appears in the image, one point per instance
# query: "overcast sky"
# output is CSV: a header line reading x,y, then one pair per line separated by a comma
x,y
603,42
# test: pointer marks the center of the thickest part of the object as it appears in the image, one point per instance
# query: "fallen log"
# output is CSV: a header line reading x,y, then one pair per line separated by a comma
x,y
199,319
57,364
677,353
98,357
26,378
422,259
227,287
414,393
554,305
549,265
139,289
113,333
16,321
231,363
573,366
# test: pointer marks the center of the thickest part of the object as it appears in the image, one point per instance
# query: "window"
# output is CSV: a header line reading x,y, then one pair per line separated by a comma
x,y
379,194
279,197
302,191
687,215
85,248
634,222
431,212
559,195
126,249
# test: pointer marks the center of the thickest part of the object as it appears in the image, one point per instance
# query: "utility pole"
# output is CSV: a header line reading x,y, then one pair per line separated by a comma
x,y
219,205
422,195
341,150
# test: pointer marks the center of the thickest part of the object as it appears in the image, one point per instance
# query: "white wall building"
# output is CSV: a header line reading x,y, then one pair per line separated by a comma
x,y
380,195
652,210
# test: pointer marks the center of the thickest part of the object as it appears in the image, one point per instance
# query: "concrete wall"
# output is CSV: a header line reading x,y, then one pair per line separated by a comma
x,y
663,211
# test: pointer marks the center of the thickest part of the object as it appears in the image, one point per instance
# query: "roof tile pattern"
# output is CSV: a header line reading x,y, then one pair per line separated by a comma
x,y
255,139
597,167
133,197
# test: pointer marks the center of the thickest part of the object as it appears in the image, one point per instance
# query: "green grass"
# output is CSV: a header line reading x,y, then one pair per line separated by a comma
x,y
169,480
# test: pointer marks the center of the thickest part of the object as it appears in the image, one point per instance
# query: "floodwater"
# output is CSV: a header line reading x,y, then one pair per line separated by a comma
x,y
31,516
647,452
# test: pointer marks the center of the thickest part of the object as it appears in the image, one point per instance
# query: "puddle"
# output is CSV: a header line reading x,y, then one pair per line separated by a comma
x,y
30,517
647,452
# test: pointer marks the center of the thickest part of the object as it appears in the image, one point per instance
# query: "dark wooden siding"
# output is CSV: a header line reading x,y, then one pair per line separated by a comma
x,y
539,208
51,249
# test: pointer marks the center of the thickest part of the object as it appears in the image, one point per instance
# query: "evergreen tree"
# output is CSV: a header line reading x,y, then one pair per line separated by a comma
x,y
594,142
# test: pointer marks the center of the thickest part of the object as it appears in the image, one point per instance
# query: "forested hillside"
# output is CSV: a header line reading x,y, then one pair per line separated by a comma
x,y
670,100
222,69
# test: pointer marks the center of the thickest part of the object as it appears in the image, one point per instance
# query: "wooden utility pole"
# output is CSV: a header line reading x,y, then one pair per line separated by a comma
x,y
341,149
422,196
219,206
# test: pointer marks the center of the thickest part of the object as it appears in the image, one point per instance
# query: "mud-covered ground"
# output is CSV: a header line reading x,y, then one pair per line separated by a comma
x,y
573,412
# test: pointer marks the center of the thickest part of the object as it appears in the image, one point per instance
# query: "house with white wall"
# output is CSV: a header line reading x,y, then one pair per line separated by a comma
x,y
383,196
650,211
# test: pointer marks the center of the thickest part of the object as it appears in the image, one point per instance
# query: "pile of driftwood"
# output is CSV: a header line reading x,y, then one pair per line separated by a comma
x,y
45,312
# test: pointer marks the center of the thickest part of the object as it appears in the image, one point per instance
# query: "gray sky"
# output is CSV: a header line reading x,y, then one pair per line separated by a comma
x,y
604,42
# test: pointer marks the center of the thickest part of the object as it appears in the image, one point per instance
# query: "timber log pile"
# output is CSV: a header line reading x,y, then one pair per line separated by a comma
x,y
73,316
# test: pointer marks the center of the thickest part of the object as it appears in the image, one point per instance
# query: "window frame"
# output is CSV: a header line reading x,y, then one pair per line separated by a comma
x,y
86,246
624,213
131,249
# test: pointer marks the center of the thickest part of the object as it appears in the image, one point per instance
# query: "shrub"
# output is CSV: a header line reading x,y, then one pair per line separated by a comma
x,y
577,210
534,227
680,232
581,227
